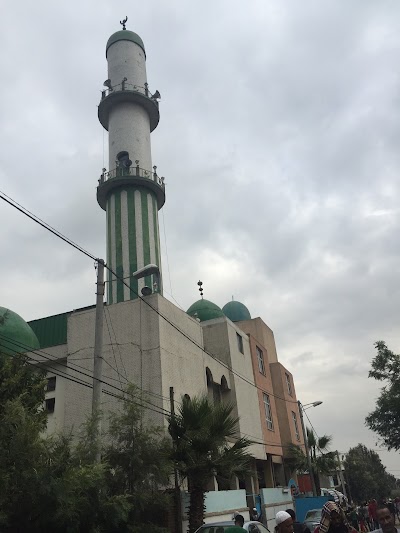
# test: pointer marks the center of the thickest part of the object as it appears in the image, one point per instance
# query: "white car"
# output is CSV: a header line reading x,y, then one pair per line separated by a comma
x,y
220,527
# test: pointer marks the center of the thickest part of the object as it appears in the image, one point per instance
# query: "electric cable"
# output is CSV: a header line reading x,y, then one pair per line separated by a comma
x,y
63,375
107,310
36,219
29,349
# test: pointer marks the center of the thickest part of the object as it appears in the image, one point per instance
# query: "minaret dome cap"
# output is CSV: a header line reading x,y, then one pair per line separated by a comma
x,y
125,35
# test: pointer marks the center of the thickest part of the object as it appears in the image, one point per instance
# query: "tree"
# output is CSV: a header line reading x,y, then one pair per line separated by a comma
x,y
322,460
53,483
385,419
22,422
366,475
205,445
139,465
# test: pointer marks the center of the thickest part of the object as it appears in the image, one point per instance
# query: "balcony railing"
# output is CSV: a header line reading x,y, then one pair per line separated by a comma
x,y
134,172
124,86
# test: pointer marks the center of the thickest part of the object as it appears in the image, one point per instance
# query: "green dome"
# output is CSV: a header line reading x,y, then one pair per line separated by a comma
x,y
125,35
205,310
236,311
20,334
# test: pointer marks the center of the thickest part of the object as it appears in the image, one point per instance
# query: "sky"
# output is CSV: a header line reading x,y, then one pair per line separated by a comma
x,y
278,140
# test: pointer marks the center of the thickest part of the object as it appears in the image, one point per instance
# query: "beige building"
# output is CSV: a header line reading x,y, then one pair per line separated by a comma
x,y
155,345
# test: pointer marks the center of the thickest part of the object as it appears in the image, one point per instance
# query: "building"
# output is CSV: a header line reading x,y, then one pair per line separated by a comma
x,y
147,340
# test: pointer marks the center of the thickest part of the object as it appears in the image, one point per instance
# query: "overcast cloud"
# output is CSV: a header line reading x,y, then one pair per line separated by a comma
x,y
279,141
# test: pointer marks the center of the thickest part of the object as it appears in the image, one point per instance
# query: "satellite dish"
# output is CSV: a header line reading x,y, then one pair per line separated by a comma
x,y
107,83
146,291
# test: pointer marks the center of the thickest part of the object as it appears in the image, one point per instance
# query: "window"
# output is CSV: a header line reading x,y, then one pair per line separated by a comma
x,y
239,342
260,358
49,404
288,384
268,412
296,427
51,384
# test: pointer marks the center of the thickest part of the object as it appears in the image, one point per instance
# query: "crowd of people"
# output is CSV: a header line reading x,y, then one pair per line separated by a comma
x,y
370,516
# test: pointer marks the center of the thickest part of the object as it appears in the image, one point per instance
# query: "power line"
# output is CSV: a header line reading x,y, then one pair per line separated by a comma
x,y
51,358
29,349
36,219
44,225
106,309
63,375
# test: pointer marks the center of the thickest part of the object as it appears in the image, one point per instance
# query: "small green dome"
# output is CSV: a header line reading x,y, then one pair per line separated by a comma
x,y
236,311
125,35
205,310
20,335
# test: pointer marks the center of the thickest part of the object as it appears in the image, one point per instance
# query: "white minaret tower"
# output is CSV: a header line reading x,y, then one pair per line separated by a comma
x,y
130,192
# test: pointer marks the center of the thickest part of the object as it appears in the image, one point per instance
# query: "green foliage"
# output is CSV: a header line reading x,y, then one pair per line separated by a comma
x,y
138,460
385,419
205,444
54,484
322,460
366,475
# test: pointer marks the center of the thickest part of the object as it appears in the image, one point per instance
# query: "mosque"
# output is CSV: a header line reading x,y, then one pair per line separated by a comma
x,y
147,340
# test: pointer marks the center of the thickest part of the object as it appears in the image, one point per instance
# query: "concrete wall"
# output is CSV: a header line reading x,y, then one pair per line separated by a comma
x,y
55,420
285,404
272,501
262,333
220,339
219,506
264,382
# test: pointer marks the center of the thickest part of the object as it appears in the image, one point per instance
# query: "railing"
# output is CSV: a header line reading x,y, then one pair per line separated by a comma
x,y
134,172
124,86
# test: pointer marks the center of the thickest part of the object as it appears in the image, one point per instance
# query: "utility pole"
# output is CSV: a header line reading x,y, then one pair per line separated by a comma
x,y
314,489
178,510
98,356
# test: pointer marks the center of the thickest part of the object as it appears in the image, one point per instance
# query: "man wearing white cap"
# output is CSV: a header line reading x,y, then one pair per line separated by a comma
x,y
284,522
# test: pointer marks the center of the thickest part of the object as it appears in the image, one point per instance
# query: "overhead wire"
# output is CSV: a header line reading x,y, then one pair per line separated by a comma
x,y
36,219
29,349
107,310
116,370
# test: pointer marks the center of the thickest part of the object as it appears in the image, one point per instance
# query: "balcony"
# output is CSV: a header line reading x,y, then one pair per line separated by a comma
x,y
127,92
135,175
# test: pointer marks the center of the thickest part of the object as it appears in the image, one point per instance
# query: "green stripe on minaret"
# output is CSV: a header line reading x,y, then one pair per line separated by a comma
x,y
109,242
132,242
156,238
146,234
118,248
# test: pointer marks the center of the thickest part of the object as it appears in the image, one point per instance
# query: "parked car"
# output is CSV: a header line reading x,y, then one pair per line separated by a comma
x,y
220,527
312,519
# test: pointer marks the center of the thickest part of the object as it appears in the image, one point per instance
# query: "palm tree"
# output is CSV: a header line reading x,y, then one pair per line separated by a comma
x,y
322,460
202,433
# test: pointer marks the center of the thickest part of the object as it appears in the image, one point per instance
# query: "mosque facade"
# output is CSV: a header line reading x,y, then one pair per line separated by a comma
x,y
147,340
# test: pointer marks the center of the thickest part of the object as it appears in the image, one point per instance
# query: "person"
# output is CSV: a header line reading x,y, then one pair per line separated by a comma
x,y
385,520
297,526
397,504
372,514
284,522
239,522
333,520
362,518
392,509
255,515
353,517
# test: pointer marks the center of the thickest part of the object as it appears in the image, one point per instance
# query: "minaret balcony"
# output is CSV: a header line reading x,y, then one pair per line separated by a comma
x,y
136,176
127,92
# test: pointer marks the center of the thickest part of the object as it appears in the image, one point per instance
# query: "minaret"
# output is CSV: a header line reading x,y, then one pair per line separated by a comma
x,y
131,192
